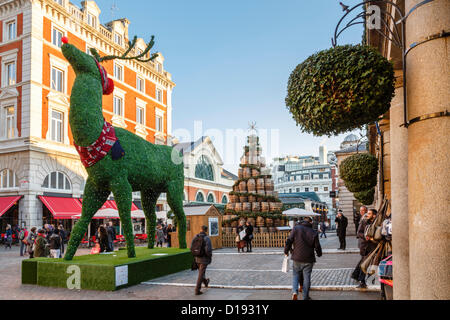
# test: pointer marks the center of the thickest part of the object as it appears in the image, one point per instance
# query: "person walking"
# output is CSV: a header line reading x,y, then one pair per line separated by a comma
x,y
55,244
322,228
103,239
248,235
305,241
240,243
62,234
341,230
169,236
30,241
366,246
111,235
159,236
8,237
40,248
201,248
23,234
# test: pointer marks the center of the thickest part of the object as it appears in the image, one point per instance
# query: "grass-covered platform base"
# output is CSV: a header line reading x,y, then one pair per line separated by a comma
x,y
107,272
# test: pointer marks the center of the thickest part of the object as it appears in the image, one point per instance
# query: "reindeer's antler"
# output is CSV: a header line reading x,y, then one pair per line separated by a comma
x,y
131,45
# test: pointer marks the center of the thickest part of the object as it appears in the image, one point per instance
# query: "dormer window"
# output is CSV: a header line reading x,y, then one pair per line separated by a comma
x,y
118,39
92,20
159,67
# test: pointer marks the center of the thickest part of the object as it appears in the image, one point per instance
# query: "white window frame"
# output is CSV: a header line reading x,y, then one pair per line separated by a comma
x,y
60,2
118,66
52,126
10,37
61,30
121,107
3,118
6,21
62,78
61,65
159,97
10,78
5,175
118,36
142,89
159,67
140,111
65,176
8,58
93,22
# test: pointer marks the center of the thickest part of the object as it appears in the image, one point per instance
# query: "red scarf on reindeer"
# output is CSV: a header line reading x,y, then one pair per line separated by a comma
x,y
90,155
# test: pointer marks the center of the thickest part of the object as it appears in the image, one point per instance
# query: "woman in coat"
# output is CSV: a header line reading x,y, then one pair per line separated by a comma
x,y
159,236
240,242
248,236
103,239
8,236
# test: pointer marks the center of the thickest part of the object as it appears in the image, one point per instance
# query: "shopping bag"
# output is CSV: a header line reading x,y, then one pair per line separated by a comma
x,y
242,234
95,249
285,265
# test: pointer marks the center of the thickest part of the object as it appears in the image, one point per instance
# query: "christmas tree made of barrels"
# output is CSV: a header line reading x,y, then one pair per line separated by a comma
x,y
253,197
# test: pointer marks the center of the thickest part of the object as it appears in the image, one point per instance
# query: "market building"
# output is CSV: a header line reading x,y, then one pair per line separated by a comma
x,y
37,156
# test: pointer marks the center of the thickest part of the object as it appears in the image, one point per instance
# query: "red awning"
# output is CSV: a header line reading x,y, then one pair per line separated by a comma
x,y
62,208
108,210
7,202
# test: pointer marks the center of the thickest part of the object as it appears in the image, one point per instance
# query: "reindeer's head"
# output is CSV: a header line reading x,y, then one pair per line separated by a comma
x,y
85,64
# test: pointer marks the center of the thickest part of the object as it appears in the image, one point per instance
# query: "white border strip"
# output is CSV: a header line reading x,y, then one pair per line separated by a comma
x,y
353,250
279,270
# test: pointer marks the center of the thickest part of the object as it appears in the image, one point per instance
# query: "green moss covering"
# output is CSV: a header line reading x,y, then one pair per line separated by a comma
x,y
98,271
145,167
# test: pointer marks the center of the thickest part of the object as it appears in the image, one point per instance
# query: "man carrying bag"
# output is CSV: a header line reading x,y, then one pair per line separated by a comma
x,y
201,249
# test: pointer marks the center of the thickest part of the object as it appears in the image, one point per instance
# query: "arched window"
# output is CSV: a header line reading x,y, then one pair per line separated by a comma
x,y
200,197
8,179
57,181
210,198
204,169
224,199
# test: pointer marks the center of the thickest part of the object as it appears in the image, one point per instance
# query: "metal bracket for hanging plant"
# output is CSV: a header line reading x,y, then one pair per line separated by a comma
x,y
397,37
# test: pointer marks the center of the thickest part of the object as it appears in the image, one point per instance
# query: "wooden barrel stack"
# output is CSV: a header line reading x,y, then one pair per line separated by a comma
x,y
254,193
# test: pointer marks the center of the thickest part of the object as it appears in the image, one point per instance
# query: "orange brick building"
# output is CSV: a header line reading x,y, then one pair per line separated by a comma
x,y
37,157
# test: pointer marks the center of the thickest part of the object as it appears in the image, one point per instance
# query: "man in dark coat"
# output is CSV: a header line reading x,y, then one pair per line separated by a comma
x,y
248,235
366,246
111,235
203,261
357,216
305,240
341,230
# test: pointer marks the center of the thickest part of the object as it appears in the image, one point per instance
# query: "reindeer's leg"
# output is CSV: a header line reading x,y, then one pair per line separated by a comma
x,y
149,199
175,200
93,200
122,191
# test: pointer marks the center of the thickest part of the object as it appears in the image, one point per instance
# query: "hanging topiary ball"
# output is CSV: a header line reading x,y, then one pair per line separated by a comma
x,y
340,89
366,197
359,172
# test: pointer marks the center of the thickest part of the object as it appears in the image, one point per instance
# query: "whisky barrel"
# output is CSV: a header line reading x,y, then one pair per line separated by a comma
x,y
230,205
251,185
268,183
277,223
255,172
264,207
246,206
269,222
251,221
263,229
261,192
272,229
260,184
243,186
243,199
238,207
240,173
272,206
247,172
234,198
269,193
252,199
260,222
256,207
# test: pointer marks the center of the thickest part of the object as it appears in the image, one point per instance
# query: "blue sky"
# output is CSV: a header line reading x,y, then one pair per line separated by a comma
x,y
231,59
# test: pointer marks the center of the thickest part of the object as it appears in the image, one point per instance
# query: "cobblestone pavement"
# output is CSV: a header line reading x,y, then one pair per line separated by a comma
x,y
252,269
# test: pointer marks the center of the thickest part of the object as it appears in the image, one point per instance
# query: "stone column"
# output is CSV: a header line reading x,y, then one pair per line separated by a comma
x,y
428,86
399,196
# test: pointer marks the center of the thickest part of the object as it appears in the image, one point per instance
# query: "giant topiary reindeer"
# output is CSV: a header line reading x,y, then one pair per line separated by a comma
x,y
134,164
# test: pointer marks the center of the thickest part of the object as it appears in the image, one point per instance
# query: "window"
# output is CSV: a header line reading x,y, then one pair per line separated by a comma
x,y
57,126
118,106
140,115
11,30
10,73
325,188
140,84
326,176
118,39
316,189
92,20
200,197
316,176
159,67
210,198
305,177
159,95
204,169
10,124
306,189
297,190
57,181
8,179
158,124
118,71
56,37
57,81
60,2
224,199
